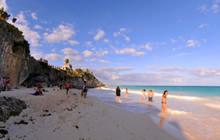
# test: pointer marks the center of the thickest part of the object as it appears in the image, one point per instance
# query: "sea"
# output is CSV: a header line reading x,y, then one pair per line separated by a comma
x,y
194,111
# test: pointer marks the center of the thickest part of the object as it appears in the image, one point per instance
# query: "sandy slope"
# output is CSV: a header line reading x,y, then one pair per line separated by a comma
x,y
55,116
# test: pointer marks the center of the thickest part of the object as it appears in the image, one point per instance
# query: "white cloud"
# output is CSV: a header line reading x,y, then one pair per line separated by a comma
x,y
38,27
74,59
52,56
173,40
3,4
199,72
36,54
34,16
59,34
106,40
101,53
147,46
105,62
111,75
206,9
32,36
132,51
122,29
215,8
53,50
89,43
73,42
121,33
100,34
87,53
192,43
69,51
126,38
202,26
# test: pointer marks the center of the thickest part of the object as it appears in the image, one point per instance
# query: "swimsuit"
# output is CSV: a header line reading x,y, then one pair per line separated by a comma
x,y
150,99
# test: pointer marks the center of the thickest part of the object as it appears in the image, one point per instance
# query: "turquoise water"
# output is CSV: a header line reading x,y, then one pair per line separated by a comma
x,y
200,91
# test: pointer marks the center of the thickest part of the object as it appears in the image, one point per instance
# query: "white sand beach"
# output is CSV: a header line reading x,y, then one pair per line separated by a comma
x,y
56,116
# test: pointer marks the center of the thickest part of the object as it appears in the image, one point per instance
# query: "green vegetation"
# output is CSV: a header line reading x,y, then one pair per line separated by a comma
x,y
14,20
3,14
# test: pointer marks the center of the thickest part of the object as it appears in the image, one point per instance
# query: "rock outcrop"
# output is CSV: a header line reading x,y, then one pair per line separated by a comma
x,y
10,107
17,64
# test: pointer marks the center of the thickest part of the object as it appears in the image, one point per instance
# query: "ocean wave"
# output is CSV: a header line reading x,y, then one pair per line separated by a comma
x,y
214,106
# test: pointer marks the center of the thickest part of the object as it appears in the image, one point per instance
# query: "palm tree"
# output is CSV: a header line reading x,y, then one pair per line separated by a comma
x,y
67,61
3,14
14,20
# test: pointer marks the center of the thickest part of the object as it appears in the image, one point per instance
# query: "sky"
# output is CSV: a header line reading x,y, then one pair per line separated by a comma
x,y
126,42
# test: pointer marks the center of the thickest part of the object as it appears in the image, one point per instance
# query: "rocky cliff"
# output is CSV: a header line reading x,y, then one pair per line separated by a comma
x,y
17,64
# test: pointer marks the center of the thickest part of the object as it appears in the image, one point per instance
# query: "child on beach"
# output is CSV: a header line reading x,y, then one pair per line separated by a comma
x,y
143,95
38,91
67,87
126,94
118,94
150,97
84,89
164,101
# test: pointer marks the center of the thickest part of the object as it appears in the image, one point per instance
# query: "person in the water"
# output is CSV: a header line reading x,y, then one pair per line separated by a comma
x,y
164,101
118,94
126,94
143,95
150,97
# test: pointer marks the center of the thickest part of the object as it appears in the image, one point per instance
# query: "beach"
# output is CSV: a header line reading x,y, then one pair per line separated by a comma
x,y
57,116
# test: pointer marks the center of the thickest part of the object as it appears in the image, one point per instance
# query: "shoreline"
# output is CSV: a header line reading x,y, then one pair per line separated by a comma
x,y
55,116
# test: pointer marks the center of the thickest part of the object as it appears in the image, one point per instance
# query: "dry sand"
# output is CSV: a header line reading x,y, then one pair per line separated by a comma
x,y
56,116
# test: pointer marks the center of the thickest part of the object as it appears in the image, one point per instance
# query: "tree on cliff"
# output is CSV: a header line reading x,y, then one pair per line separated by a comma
x,y
14,20
67,61
3,14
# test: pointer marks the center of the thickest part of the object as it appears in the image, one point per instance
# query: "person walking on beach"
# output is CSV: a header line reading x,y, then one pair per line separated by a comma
x,y
143,95
84,89
67,87
118,94
126,94
164,101
150,97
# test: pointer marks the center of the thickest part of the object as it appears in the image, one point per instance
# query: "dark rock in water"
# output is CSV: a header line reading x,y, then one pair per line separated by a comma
x,y
10,106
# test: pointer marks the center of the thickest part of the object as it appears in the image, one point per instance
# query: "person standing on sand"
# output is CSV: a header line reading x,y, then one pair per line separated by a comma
x,y
84,89
150,97
67,86
126,94
118,94
143,95
164,101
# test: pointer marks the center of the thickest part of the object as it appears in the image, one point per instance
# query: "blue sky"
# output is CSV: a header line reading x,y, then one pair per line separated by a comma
x,y
143,42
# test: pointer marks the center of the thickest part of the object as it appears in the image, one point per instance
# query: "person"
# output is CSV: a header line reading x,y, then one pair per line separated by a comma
x,y
126,94
118,94
84,89
143,95
164,101
1,84
150,97
61,86
38,91
7,84
67,86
